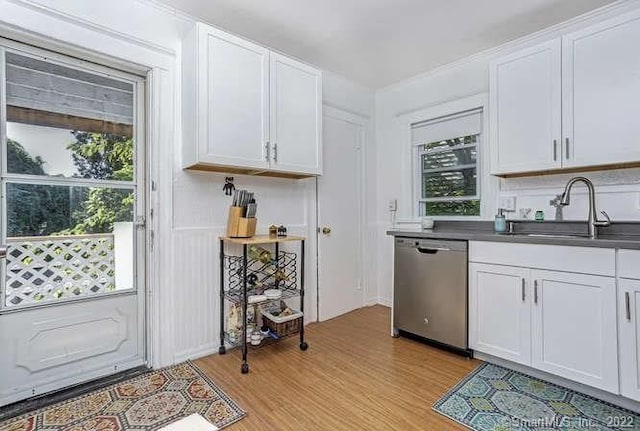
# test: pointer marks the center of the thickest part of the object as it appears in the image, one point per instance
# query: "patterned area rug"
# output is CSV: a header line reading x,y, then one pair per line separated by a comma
x,y
144,403
493,398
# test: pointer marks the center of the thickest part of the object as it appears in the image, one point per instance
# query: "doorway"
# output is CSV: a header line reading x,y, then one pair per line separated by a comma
x,y
341,286
72,273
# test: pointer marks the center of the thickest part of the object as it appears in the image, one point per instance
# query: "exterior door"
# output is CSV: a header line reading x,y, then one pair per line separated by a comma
x,y
72,277
500,311
526,110
340,224
574,327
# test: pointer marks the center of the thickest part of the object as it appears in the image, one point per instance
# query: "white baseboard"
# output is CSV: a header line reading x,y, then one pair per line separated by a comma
x,y
199,352
617,400
387,302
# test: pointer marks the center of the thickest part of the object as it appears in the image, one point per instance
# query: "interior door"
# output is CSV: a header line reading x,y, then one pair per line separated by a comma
x,y
72,277
574,327
296,116
340,267
526,110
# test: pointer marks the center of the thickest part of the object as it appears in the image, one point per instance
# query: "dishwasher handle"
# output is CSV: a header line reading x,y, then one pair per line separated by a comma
x,y
431,250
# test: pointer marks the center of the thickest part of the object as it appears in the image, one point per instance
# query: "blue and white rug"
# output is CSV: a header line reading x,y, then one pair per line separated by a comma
x,y
493,398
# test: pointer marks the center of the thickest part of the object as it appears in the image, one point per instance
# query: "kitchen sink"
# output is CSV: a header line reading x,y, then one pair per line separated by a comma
x,y
550,235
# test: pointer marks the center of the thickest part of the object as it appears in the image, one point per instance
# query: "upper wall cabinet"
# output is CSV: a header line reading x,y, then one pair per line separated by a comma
x,y
525,110
248,110
568,103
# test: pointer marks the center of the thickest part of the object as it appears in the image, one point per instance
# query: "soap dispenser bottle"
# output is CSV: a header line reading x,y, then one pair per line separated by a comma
x,y
500,223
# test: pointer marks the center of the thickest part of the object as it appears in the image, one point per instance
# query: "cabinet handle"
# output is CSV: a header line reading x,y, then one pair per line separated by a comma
x,y
275,153
267,150
627,303
535,291
566,150
555,150
523,291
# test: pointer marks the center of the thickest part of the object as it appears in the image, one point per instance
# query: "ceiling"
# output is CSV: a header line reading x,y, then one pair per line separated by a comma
x,y
379,42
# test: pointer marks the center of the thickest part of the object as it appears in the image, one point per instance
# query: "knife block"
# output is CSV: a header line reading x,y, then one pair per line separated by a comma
x,y
239,226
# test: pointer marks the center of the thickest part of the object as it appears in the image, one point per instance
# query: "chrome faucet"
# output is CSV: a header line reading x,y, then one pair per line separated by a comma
x,y
593,222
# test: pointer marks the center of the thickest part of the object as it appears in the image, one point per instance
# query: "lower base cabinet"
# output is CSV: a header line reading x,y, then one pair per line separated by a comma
x,y
500,314
629,327
559,322
573,324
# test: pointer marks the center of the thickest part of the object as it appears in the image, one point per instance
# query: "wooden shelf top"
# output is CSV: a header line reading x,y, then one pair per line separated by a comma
x,y
262,239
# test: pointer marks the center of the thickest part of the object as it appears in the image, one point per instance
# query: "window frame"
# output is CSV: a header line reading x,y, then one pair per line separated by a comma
x,y
419,200
487,185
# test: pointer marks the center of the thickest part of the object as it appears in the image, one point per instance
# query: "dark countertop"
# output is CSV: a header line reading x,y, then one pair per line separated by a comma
x,y
624,235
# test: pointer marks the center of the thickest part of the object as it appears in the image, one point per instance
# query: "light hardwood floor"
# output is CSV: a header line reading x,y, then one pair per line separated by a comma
x,y
354,376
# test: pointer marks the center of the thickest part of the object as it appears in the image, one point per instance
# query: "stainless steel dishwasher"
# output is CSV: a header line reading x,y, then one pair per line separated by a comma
x,y
430,291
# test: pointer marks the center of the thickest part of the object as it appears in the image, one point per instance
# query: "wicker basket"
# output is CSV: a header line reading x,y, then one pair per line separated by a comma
x,y
283,326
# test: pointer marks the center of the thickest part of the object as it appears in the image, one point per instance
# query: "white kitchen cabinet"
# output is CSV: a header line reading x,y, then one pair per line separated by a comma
x,y
552,308
500,311
226,100
296,116
629,327
601,87
526,110
247,109
574,332
556,108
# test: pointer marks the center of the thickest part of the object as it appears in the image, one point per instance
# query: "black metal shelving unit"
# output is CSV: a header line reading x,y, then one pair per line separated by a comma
x,y
242,276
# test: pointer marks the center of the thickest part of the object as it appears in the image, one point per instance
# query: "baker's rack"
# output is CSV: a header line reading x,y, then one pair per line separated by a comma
x,y
242,276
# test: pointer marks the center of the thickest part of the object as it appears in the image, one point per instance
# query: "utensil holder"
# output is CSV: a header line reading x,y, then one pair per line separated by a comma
x,y
239,226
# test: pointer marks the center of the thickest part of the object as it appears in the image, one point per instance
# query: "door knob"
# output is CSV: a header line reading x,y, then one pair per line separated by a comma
x,y
326,230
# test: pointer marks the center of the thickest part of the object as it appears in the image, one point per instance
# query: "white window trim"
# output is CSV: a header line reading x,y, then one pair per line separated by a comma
x,y
488,184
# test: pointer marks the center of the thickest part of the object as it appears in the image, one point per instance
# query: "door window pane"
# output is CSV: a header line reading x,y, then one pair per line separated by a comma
x,y
67,242
67,122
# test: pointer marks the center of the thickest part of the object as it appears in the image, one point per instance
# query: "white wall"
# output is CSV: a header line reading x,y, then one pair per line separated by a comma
x,y
190,207
617,190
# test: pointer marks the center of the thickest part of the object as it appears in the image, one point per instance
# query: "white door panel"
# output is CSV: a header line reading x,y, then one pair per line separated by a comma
x,y
50,344
339,202
574,327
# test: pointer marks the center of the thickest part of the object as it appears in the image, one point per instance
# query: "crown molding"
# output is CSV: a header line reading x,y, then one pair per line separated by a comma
x,y
79,21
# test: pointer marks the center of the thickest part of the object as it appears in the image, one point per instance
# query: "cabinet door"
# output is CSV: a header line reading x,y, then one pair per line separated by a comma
x,y
601,87
526,110
234,95
629,324
500,311
574,327
296,109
